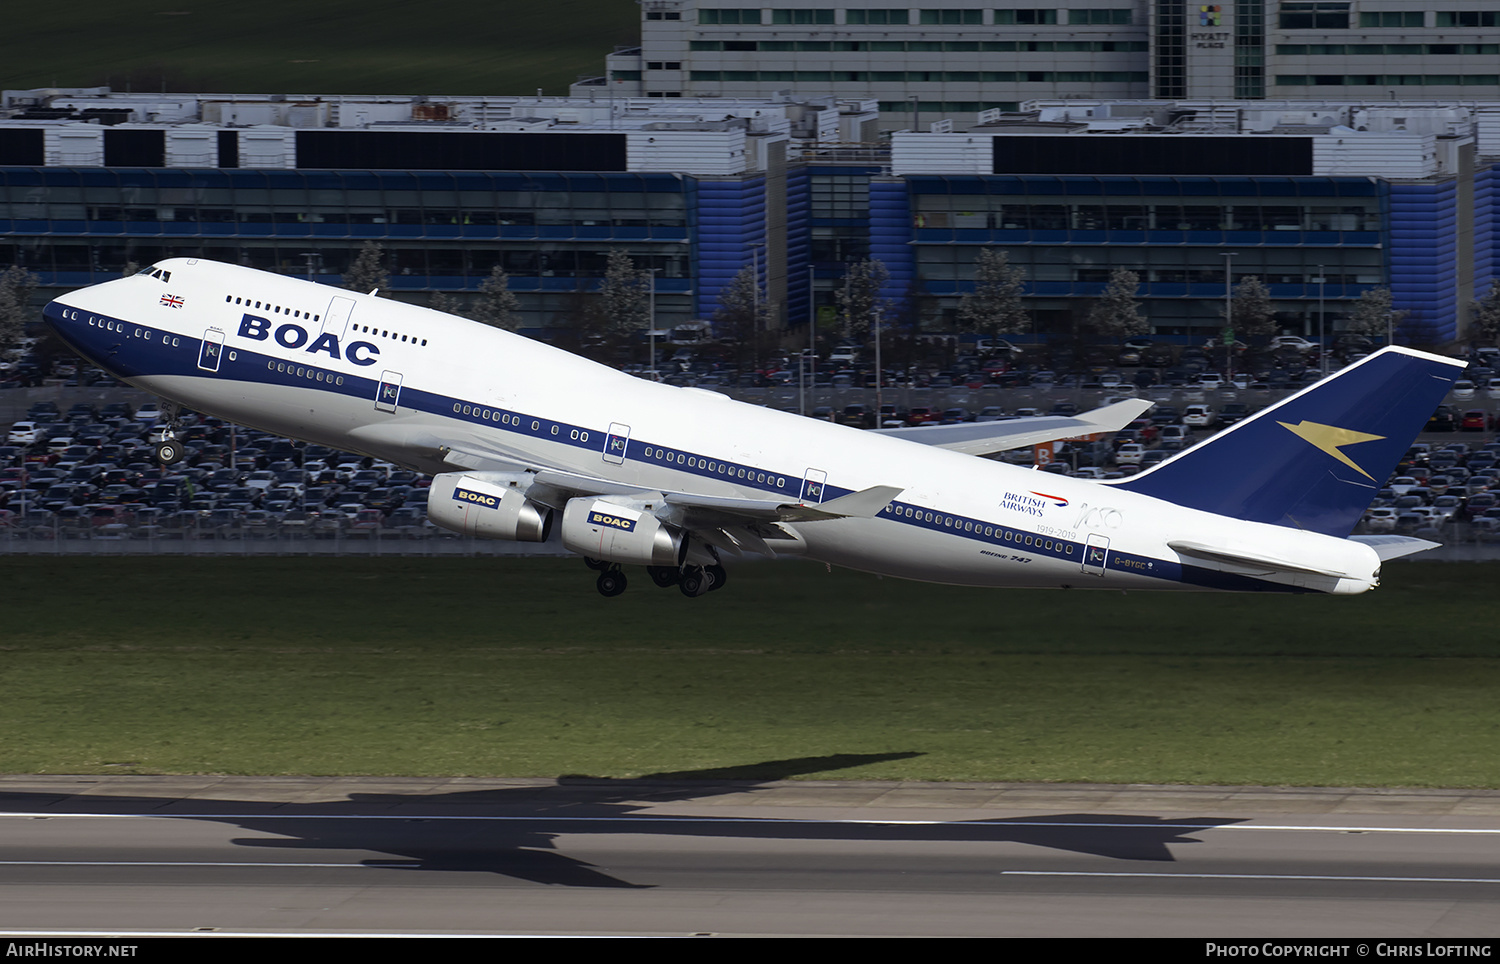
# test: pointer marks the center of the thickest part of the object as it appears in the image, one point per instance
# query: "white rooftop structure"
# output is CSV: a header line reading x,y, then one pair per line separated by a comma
x,y
708,136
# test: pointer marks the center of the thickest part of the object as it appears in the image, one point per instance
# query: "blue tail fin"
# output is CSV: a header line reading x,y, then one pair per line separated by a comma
x,y
1315,460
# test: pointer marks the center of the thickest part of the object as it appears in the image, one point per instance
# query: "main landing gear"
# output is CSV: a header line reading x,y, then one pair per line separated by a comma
x,y
692,580
611,580
697,580
168,449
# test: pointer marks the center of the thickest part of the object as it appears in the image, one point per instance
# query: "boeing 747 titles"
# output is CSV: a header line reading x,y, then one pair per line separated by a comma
x,y
522,439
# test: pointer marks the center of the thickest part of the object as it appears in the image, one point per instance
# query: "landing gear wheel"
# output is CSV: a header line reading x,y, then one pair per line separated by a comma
x,y
611,582
598,565
169,452
664,576
720,577
695,582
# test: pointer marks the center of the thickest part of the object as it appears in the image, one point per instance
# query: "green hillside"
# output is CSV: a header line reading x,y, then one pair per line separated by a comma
x,y
326,46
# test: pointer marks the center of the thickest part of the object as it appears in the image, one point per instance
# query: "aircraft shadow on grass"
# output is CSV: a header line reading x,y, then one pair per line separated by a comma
x,y
458,831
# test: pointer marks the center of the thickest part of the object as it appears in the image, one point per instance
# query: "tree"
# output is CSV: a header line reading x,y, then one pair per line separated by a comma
x,y
743,316
444,302
1251,312
1117,314
859,298
994,307
16,286
626,293
367,272
1374,313
1486,314
497,305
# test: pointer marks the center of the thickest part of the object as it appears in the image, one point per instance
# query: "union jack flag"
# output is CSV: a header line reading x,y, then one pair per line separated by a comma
x,y
171,301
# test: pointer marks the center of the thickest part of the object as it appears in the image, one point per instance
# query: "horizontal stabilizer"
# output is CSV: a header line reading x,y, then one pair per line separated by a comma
x,y
1238,557
987,438
1394,547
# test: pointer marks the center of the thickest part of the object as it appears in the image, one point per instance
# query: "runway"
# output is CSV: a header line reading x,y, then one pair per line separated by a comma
x,y
176,855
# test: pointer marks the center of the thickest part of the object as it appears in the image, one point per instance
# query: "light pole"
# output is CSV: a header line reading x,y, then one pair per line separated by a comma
x,y
755,247
651,325
810,356
1229,313
1322,346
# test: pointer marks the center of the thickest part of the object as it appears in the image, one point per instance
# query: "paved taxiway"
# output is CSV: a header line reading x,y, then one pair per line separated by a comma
x,y
470,856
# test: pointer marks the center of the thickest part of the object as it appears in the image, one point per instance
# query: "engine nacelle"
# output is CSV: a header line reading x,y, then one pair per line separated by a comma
x,y
620,532
490,505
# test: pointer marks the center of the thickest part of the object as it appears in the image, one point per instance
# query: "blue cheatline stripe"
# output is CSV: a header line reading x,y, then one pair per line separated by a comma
x,y
132,356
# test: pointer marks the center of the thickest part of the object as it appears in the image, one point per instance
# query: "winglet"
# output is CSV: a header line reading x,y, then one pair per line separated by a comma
x,y
986,438
1112,418
864,504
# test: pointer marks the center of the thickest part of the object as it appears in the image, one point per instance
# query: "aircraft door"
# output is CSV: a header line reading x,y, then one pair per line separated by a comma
x,y
388,392
336,318
211,352
1096,554
812,486
616,443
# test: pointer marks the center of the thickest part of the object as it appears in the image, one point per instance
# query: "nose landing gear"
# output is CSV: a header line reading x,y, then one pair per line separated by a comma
x,y
168,450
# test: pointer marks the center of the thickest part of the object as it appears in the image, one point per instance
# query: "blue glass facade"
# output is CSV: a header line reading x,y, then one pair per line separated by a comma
x,y
1424,258
441,231
1068,234
552,232
1486,228
731,233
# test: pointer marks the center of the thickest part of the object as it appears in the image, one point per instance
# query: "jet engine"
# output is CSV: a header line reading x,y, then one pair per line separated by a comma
x,y
621,532
491,505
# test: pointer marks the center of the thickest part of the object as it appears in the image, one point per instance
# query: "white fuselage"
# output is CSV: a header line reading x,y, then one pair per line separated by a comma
x,y
420,388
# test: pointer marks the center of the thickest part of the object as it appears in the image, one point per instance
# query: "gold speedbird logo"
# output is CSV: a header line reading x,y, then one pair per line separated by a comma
x,y
1331,439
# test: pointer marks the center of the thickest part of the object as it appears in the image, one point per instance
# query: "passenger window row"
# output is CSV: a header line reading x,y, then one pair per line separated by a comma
x,y
392,335
273,309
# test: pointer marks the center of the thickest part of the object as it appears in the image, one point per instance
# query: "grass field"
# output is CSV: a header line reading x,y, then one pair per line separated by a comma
x,y
516,667
322,46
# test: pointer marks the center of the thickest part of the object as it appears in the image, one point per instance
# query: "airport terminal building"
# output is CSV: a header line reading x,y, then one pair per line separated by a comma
x,y
1321,200
928,63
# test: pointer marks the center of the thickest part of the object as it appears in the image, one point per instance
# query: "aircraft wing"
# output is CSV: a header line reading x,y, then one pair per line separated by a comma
x,y
986,438
729,523
694,510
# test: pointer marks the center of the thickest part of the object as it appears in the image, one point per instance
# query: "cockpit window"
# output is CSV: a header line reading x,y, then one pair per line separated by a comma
x,y
156,272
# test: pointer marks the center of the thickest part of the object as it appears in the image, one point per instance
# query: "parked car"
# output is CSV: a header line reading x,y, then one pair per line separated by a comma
x,y
1198,416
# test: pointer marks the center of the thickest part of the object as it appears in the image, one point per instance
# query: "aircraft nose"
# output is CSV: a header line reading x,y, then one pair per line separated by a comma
x,y
59,315
79,320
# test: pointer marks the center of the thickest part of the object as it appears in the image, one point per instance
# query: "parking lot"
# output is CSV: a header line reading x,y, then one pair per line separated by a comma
x,y
76,474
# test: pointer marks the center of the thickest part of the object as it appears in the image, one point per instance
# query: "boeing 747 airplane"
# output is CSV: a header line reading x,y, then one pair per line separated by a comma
x,y
522,438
